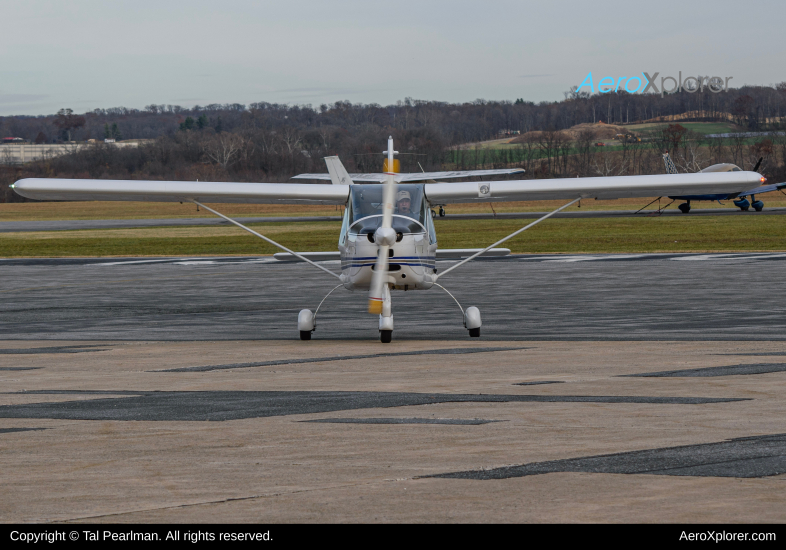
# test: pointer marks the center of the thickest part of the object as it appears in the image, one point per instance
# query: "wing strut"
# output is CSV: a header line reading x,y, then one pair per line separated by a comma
x,y
240,225
462,262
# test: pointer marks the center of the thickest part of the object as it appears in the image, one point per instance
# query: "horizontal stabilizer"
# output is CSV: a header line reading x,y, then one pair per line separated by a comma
x,y
442,254
313,256
456,253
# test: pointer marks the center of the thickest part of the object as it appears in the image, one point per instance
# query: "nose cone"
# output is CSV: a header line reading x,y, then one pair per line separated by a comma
x,y
385,236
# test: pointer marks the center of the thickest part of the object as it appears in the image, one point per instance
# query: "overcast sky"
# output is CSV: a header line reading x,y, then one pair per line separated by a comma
x,y
85,54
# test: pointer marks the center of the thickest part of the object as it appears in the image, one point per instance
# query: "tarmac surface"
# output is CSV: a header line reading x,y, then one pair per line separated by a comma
x,y
520,297
71,225
628,388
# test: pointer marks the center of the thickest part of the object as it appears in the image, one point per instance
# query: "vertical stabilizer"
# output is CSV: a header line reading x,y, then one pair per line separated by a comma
x,y
338,174
670,168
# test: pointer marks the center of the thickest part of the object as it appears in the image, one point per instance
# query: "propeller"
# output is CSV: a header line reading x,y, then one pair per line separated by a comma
x,y
384,237
758,163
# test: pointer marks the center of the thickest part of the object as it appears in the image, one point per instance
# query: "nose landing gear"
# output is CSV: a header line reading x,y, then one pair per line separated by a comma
x,y
684,207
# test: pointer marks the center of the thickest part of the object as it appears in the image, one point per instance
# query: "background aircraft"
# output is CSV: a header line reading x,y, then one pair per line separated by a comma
x,y
387,240
741,202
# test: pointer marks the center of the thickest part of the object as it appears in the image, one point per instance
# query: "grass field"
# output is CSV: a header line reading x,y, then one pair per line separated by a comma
x,y
597,235
120,210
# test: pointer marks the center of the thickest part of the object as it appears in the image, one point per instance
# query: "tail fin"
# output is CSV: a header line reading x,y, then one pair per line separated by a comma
x,y
670,168
338,174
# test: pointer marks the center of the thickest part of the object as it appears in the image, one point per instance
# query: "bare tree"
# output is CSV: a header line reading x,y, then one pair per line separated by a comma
x,y
585,140
223,149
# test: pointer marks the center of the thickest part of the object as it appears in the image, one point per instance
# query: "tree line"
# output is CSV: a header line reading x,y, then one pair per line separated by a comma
x,y
753,107
273,142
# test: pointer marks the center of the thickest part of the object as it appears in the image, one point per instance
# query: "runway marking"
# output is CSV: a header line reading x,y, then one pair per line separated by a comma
x,y
593,258
219,406
131,262
449,351
539,383
730,370
746,457
447,421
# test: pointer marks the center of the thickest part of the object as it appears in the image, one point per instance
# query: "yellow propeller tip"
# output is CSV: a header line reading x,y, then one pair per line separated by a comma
x,y
375,307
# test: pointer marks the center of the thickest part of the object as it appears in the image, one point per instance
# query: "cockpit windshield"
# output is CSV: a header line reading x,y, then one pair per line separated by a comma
x,y
366,208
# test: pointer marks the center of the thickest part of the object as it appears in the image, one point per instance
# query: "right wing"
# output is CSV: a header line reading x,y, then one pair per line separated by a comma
x,y
180,191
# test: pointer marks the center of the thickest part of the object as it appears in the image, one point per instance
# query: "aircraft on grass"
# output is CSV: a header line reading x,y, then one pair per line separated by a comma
x,y
387,240
741,201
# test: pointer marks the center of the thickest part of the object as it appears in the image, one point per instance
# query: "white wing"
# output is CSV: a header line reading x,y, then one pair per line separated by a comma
x,y
180,191
415,176
602,188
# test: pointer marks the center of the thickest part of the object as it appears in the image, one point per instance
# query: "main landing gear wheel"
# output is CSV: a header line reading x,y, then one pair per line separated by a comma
x,y
385,336
305,335
684,207
474,332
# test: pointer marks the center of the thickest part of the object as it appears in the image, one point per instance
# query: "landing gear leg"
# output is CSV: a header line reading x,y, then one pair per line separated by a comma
x,y
441,212
386,318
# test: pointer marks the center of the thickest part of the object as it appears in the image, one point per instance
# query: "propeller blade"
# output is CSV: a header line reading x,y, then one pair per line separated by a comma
x,y
384,237
756,168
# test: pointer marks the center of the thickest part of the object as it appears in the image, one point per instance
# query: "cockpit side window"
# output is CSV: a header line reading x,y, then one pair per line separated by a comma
x,y
432,232
342,238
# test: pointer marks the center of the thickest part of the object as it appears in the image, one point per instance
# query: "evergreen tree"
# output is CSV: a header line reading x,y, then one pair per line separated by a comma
x,y
188,124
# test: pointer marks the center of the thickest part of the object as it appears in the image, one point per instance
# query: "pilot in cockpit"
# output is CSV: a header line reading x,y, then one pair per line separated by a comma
x,y
404,203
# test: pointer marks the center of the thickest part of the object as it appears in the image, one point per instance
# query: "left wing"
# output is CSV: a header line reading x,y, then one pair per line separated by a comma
x,y
415,176
616,187
180,191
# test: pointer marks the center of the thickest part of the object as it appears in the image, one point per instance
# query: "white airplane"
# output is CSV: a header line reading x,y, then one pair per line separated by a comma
x,y
387,240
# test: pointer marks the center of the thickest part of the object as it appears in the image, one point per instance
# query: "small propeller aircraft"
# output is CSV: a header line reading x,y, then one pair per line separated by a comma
x,y
741,201
387,240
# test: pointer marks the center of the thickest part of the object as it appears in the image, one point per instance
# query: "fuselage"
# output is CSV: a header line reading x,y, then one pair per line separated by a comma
x,y
411,263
